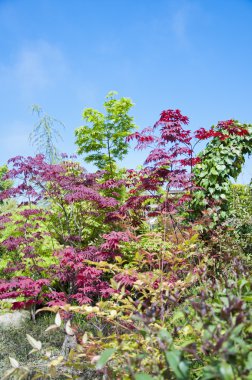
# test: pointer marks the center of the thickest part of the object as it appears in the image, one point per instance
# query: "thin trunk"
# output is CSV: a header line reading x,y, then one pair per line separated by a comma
x,y
110,160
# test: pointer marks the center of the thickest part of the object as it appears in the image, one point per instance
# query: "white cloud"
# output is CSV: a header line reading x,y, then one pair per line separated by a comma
x,y
179,25
36,67
182,17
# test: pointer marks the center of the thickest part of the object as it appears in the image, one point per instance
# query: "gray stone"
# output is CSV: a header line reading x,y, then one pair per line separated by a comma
x,y
14,320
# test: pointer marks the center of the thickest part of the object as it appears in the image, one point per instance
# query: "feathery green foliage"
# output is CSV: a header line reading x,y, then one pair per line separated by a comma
x,y
102,139
45,135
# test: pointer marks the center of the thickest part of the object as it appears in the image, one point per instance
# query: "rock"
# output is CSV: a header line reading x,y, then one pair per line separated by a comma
x,y
14,320
70,343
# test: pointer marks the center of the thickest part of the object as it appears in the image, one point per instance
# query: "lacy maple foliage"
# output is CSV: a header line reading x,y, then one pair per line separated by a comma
x,y
64,208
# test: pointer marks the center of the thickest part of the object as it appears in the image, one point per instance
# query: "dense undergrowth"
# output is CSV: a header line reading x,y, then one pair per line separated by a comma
x,y
148,271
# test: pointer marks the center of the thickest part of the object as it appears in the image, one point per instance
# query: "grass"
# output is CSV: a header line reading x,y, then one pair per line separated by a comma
x,y
13,343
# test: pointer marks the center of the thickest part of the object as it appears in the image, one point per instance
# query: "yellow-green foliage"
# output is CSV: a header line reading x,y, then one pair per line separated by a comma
x,y
240,215
43,247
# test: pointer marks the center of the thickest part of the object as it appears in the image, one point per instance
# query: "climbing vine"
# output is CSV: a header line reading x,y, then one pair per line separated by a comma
x,y
221,161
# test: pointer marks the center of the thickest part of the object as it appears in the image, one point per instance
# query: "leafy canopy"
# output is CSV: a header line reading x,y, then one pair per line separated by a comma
x,y
4,184
102,139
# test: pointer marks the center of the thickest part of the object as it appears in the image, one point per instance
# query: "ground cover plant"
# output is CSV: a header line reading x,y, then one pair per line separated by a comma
x,y
147,271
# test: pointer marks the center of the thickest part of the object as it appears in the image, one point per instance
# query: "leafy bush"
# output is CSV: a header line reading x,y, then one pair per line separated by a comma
x,y
135,300
240,215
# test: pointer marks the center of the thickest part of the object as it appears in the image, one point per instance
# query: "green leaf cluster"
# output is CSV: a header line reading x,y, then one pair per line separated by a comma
x,y
102,139
221,161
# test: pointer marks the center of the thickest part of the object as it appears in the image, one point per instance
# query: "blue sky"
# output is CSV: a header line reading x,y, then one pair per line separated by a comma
x,y
195,55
